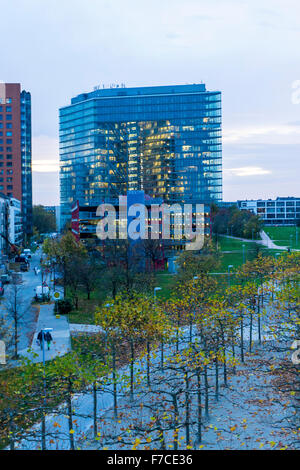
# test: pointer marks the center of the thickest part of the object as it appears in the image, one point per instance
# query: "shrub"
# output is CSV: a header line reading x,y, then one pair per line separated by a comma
x,y
63,307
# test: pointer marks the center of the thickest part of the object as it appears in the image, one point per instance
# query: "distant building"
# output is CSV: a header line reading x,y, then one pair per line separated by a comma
x,y
164,140
10,223
84,223
279,211
54,210
15,149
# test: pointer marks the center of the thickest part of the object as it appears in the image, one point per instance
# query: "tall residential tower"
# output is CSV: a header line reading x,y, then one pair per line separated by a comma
x,y
15,148
164,140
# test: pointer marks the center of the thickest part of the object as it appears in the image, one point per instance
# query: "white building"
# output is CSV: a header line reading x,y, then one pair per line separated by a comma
x,y
10,223
279,211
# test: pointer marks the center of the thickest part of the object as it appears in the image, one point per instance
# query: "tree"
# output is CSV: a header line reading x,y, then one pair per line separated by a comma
x,y
43,221
68,255
15,310
192,263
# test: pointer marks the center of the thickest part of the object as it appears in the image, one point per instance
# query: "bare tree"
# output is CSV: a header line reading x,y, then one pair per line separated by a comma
x,y
15,310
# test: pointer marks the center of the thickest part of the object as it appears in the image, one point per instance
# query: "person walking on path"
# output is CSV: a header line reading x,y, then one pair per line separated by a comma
x,y
48,339
40,338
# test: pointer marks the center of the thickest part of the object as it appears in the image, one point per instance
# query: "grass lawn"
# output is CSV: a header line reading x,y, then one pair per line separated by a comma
x,y
236,256
285,236
166,281
86,308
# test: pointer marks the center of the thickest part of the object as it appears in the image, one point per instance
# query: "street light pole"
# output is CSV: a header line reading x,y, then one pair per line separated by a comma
x,y
162,340
243,246
43,331
229,267
194,313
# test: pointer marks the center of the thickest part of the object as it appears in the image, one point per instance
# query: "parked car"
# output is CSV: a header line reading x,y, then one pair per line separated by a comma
x,y
24,267
17,277
1,289
42,293
21,259
27,252
5,278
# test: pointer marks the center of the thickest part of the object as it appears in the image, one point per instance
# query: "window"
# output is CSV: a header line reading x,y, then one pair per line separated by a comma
x,y
8,100
8,134
8,149
8,125
9,156
8,117
9,186
8,109
8,141
9,164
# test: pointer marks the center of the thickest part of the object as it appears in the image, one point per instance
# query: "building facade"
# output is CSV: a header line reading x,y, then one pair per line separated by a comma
x,y
54,210
85,219
163,140
15,149
279,211
10,224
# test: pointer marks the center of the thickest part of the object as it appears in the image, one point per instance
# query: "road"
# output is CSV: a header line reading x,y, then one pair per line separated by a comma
x,y
29,313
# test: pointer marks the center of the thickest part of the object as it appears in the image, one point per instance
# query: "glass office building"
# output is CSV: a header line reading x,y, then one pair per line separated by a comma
x,y
26,162
164,140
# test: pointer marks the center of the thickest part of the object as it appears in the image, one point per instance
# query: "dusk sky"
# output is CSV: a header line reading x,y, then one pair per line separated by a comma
x,y
248,50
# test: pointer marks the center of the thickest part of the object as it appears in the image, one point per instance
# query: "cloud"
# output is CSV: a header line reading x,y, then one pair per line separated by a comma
x,y
247,171
45,154
266,133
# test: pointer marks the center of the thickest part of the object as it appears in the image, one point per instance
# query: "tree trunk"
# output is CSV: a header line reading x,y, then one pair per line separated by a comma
x,y
131,368
187,409
70,415
176,419
199,406
95,409
114,374
206,392
242,338
148,364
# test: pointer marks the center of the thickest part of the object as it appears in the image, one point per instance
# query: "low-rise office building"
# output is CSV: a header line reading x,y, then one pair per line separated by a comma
x,y
279,211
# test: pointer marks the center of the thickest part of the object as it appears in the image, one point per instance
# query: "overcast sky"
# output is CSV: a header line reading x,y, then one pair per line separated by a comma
x,y
248,50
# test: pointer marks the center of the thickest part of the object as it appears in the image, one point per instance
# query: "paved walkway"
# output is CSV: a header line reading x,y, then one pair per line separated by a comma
x,y
81,328
61,343
265,241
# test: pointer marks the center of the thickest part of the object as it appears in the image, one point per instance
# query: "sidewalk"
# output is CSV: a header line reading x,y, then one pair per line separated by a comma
x,y
61,343
81,328
265,241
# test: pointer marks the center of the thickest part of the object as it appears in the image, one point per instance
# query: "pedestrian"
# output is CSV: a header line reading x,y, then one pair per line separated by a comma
x,y
40,338
48,339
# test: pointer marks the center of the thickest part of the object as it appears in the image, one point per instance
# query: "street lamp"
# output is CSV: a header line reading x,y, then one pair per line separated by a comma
x,y
155,290
44,331
229,267
194,313
243,246
162,340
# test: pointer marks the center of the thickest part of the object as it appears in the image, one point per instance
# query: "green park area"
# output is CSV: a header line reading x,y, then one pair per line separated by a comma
x,y
285,236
